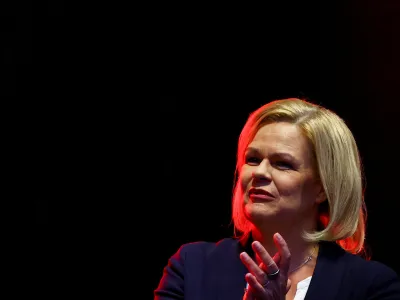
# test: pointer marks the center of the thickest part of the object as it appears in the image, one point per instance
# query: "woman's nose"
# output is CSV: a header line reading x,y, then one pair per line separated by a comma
x,y
262,172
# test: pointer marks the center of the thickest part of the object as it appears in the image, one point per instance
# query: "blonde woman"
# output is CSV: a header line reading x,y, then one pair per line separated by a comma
x,y
299,218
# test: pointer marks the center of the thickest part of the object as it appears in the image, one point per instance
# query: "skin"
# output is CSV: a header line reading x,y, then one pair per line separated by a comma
x,y
279,160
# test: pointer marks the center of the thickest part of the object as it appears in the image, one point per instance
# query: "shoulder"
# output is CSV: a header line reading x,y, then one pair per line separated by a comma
x,y
335,254
353,275
369,268
365,267
374,267
382,281
377,271
193,263
378,279
205,248
195,256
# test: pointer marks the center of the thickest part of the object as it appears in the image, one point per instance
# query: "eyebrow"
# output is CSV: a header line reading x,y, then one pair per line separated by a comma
x,y
274,154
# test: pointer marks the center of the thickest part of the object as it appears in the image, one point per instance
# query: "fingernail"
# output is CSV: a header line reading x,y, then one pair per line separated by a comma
x,y
257,245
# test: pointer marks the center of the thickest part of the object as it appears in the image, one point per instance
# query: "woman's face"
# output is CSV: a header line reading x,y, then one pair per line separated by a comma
x,y
278,177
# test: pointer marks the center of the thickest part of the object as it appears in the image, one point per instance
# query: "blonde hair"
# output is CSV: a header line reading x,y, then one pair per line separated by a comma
x,y
342,217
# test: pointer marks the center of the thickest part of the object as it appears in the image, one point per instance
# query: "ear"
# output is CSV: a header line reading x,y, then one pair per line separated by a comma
x,y
321,195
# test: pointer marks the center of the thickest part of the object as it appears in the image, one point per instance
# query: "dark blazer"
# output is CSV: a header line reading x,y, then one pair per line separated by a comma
x,y
205,270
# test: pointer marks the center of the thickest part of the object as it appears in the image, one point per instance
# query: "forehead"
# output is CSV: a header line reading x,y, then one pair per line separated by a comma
x,y
281,136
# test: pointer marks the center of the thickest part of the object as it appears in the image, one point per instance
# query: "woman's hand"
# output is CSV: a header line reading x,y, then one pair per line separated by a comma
x,y
269,280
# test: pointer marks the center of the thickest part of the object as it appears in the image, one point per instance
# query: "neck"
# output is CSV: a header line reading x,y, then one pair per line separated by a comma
x,y
299,249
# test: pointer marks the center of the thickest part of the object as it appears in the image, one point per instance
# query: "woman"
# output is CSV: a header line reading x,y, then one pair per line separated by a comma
x,y
299,218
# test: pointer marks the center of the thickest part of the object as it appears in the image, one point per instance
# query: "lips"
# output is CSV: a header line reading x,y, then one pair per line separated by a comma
x,y
259,192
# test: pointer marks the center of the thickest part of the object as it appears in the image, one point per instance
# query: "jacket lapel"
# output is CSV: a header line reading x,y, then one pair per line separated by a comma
x,y
328,274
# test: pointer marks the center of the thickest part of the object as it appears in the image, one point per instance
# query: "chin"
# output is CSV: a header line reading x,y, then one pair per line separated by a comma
x,y
258,213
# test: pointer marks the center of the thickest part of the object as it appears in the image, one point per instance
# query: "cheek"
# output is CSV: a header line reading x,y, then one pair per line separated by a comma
x,y
288,185
300,191
311,191
245,178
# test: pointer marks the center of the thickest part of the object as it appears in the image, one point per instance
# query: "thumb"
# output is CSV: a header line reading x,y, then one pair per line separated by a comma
x,y
248,296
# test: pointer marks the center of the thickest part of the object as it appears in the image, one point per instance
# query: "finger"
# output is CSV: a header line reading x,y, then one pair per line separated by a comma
x,y
283,251
269,264
277,258
288,285
253,268
255,288
248,295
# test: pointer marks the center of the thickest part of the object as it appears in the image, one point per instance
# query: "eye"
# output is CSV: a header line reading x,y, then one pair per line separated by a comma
x,y
252,160
284,165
